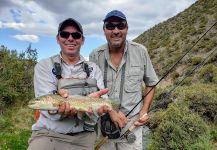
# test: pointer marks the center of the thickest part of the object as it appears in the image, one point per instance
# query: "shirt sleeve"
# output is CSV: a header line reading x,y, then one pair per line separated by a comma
x,y
92,57
150,77
45,83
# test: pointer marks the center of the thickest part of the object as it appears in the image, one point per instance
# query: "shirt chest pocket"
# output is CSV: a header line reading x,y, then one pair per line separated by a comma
x,y
133,79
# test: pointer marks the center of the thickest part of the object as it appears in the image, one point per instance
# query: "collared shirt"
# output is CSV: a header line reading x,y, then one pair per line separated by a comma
x,y
138,69
45,82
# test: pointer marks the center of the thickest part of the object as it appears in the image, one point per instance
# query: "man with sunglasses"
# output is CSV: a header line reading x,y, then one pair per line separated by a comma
x,y
126,65
69,74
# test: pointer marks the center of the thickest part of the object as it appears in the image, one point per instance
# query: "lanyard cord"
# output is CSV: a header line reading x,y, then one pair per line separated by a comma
x,y
164,76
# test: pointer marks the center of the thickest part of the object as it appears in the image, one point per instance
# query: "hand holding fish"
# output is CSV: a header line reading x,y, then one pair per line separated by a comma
x,y
64,108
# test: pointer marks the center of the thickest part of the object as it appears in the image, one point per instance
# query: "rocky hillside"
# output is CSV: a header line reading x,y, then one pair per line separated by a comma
x,y
169,40
185,115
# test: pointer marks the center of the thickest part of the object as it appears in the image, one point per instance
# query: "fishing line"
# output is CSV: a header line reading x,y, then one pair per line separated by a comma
x,y
168,73
166,95
192,71
171,68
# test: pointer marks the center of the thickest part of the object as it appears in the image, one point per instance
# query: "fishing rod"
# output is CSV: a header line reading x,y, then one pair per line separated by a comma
x,y
166,95
195,68
164,76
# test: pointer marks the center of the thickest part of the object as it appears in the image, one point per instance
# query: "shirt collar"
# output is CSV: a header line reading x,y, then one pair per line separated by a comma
x,y
107,50
82,59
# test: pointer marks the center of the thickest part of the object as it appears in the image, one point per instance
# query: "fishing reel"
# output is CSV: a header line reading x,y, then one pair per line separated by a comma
x,y
130,136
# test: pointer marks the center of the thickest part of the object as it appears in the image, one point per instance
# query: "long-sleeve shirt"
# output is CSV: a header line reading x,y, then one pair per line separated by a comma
x,y
45,82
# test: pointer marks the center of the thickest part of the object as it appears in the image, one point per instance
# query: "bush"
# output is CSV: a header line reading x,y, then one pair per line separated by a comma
x,y
203,143
208,74
195,60
16,76
177,127
201,98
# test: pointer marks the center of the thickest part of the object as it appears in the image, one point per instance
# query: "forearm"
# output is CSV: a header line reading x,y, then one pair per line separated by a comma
x,y
147,99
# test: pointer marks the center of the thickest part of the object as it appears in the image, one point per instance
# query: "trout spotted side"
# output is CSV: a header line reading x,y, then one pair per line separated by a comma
x,y
81,103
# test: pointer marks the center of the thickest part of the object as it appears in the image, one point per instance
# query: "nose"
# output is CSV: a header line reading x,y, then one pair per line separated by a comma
x,y
116,30
70,38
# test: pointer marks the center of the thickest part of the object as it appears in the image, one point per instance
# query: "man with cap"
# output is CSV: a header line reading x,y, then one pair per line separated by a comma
x,y
68,74
125,65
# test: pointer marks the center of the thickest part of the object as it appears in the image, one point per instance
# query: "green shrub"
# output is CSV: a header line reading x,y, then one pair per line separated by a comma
x,y
176,128
213,133
175,75
208,74
195,60
203,143
16,76
213,59
201,98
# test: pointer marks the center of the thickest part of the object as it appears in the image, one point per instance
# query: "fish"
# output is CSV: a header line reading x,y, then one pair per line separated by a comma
x,y
80,103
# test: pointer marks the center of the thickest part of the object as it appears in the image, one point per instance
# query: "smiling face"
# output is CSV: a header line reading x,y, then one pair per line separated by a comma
x,y
115,31
70,47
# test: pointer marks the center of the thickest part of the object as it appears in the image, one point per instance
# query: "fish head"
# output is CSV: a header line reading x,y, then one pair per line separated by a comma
x,y
44,103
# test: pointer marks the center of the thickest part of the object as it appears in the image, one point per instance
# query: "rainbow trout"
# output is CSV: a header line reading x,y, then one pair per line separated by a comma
x,y
81,103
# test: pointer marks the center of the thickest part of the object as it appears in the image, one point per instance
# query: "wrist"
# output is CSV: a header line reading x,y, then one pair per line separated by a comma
x,y
112,112
145,114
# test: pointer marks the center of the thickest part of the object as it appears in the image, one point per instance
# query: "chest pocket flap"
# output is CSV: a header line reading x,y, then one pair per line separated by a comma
x,y
133,79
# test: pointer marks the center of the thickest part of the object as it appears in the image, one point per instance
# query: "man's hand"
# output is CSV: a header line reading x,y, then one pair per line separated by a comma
x,y
118,118
103,109
99,93
143,119
63,92
66,110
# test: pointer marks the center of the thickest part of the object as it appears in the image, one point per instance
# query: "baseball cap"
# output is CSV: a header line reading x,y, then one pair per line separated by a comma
x,y
71,22
115,13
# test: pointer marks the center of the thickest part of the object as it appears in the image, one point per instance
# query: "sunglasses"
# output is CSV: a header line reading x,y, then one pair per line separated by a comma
x,y
111,26
65,35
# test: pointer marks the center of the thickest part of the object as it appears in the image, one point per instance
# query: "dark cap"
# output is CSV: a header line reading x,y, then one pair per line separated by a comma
x,y
115,13
70,22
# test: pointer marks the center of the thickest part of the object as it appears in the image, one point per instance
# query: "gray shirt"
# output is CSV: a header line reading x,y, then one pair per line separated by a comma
x,y
45,82
138,68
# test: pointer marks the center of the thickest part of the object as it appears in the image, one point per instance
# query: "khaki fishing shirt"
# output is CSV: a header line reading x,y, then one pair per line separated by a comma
x,y
45,82
138,68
